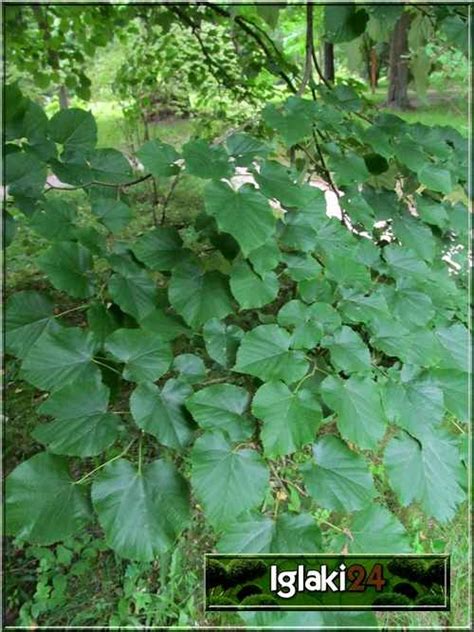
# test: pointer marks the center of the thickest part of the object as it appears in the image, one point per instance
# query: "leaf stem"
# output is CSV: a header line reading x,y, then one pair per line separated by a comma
x,y
333,526
99,467
306,377
461,430
106,366
73,309
140,454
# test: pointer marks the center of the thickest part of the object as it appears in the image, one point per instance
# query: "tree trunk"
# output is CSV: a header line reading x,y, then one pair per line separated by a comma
x,y
374,75
63,97
398,64
329,61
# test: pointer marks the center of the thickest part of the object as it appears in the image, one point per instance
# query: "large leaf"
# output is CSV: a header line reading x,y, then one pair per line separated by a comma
x,y
160,248
309,322
244,148
82,426
68,266
264,352
343,23
227,481
205,161
222,341
145,354
114,214
222,407
142,512
415,405
436,178
167,326
161,412
357,404
455,387
245,214
287,534
301,227
42,504
27,315
293,119
110,166
135,294
75,129
376,530
290,418
159,158
250,289
54,220
426,471
454,342
197,295
338,478
276,181
59,357
24,174
348,351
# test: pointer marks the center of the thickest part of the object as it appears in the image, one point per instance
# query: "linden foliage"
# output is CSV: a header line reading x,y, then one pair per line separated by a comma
x,y
274,344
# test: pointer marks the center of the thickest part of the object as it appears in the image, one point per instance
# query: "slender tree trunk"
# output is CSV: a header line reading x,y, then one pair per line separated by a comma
x,y
374,75
398,64
329,61
63,97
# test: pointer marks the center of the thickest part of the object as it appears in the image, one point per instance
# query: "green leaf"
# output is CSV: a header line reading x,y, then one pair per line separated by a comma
x,y
190,367
251,290
27,315
244,149
293,119
114,214
222,341
376,530
141,512
82,426
358,308
59,357
415,406
205,161
348,351
265,258
68,266
302,267
54,220
454,342
416,236
245,214
259,534
197,295
145,354
277,181
436,178
426,471
338,479
357,403
291,419
343,23
307,330
159,158
302,226
110,166
455,387
264,352
75,129
411,307
24,174
135,294
404,262
161,412
226,481
167,326
160,248
222,407
42,505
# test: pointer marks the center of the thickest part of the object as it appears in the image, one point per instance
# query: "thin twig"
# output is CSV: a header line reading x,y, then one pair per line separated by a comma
x,y
168,197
